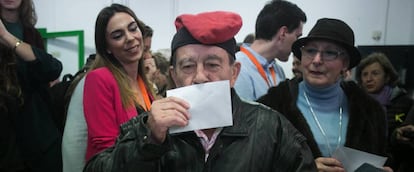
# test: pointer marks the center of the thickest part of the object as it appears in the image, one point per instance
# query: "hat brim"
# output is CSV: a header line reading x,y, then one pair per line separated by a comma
x,y
354,55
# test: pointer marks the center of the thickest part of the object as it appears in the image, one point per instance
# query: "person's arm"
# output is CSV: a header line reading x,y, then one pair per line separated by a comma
x,y
139,147
21,48
100,103
293,152
42,67
244,86
132,151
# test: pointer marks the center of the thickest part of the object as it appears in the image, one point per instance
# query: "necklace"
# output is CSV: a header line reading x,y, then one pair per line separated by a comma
x,y
320,127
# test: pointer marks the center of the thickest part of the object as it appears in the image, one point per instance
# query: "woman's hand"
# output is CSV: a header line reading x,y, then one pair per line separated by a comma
x,y
325,164
165,113
400,132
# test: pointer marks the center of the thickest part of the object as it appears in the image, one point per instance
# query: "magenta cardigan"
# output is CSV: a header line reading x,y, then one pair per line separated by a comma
x,y
103,110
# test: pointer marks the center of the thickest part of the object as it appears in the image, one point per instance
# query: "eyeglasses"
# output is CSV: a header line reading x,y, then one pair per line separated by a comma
x,y
326,55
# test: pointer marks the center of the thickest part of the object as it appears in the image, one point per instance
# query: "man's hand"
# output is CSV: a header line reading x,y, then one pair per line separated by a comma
x,y
165,113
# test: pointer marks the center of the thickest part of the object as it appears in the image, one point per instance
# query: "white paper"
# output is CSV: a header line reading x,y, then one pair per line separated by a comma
x,y
210,105
351,159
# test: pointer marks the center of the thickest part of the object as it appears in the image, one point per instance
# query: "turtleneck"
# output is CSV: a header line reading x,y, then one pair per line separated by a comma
x,y
325,103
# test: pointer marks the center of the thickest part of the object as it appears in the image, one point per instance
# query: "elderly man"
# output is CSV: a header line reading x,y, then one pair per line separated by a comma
x,y
203,50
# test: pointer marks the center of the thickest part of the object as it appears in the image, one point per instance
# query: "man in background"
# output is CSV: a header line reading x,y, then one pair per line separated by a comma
x,y
278,25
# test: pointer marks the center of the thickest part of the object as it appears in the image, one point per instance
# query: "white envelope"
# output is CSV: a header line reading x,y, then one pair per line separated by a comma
x,y
210,105
351,159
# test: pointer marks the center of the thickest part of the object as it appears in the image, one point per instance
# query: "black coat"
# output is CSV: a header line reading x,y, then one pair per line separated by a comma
x,y
36,131
260,140
400,112
366,128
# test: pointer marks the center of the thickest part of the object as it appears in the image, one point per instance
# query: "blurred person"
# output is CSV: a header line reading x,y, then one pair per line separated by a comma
x,y
38,131
378,77
117,91
347,75
296,67
330,113
149,32
150,69
278,25
161,75
259,140
249,38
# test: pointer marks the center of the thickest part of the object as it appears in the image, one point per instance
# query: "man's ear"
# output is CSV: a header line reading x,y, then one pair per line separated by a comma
x,y
282,32
235,71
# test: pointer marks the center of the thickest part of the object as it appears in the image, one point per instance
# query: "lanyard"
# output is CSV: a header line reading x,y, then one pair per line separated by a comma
x,y
144,93
260,67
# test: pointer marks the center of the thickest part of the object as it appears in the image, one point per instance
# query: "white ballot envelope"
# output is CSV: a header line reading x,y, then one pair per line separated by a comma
x,y
210,105
351,159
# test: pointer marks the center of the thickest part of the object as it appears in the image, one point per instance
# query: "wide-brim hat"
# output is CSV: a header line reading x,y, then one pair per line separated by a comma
x,y
335,31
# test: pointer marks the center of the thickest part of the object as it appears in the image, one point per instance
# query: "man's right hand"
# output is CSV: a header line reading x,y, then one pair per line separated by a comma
x,y
165,113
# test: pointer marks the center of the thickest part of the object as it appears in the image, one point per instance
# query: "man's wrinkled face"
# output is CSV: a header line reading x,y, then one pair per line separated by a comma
x,y
196,64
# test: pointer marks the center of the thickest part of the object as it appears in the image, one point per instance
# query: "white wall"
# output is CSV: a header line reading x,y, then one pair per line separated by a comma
x,y
394,19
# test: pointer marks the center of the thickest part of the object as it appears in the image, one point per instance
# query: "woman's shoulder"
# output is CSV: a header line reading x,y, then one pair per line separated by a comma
x,y
100,74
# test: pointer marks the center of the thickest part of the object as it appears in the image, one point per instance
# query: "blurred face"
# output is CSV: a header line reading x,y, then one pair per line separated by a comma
x,y
160,79
147,47
10,4
322,63
196,64
373,78
150,68
287,39
124,38
296,67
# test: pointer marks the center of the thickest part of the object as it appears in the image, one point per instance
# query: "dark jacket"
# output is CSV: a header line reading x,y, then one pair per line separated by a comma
x,y
366,127
399,108
10,157
37,133
400,112
259,140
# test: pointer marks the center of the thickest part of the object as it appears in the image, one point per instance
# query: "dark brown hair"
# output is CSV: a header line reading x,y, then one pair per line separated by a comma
x,y
386,65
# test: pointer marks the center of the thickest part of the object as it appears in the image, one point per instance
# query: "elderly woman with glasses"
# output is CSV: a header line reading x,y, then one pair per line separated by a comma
x,y
330,112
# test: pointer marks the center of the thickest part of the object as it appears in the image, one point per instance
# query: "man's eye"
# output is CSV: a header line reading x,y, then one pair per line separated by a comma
x,y
212,65
188,68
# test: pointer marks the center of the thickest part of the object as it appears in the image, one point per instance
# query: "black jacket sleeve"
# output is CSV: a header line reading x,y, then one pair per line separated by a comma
x,y
133,150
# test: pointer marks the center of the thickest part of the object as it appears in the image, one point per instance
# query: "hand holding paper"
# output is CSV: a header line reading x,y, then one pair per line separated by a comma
x,y
165,113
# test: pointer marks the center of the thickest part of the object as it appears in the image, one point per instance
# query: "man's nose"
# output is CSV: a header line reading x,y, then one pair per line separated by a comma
x,y
201,75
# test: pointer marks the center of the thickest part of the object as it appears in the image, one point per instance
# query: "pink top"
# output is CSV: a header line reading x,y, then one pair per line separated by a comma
x,y
103,110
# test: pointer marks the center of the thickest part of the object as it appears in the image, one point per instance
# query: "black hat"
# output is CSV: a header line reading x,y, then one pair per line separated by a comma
x,y
333,30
